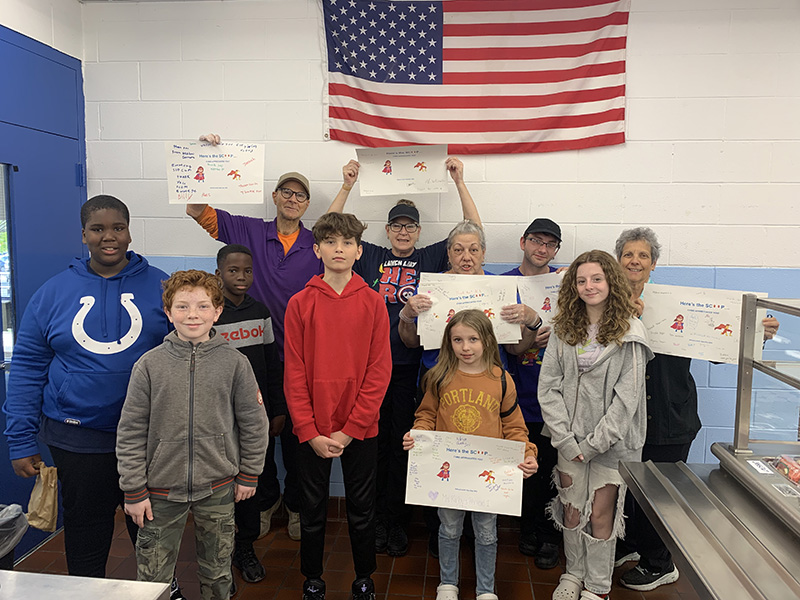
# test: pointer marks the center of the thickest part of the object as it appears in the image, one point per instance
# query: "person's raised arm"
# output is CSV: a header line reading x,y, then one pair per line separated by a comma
x,y
349,178
195,210
456,169
407,327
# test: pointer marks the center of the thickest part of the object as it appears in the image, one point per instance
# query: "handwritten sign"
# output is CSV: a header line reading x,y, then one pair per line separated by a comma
x,y
451,293
540,292
694,322
229,173
466,472
402,170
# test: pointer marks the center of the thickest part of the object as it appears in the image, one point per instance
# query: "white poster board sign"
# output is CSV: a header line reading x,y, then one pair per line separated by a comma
x,y
228,173
451,293
465,472
402,170
694,322
540,292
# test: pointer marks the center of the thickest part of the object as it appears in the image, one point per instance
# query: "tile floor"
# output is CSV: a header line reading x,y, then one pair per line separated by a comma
x,y
415,575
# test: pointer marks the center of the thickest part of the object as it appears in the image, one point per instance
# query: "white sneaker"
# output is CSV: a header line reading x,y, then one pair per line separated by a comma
x,y
294,525
447,592
487,597
266,518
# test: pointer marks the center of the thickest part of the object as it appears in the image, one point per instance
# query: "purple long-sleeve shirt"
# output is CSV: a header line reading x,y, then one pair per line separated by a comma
x,y
276,276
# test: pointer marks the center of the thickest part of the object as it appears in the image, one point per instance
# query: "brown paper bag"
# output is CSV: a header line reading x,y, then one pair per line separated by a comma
x,y
43,506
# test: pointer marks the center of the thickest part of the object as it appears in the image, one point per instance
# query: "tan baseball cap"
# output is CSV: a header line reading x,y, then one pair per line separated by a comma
x,y
294,176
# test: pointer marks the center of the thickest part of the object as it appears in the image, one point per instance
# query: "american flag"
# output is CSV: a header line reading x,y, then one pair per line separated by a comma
x,y
483,76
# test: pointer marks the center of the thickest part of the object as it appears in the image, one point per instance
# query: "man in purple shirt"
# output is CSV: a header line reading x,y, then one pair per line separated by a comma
x,y
283,262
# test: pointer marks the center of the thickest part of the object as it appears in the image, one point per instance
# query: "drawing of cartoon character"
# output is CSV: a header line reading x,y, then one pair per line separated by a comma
x,y
546,306
387,167
444,474
531,356
421,166
678,324
725,327
489,476
450,314
488,312
235,174
199,174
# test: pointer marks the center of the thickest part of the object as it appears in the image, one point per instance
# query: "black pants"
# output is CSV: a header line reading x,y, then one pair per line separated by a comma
x,y
642,536
359,463
90,496
291,485
248,512
397,418
538,490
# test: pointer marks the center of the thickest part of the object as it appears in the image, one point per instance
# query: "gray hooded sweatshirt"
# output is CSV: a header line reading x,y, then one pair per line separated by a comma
x,y
600,413
193,420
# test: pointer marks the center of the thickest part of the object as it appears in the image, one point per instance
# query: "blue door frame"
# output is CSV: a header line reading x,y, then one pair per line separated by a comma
x,y
42,137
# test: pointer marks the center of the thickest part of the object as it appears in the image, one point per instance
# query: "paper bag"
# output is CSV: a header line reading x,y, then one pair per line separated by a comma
x,y
43,505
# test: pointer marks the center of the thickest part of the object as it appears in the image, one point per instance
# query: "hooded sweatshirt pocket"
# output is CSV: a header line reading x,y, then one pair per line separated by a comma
x,y
88,399
169,464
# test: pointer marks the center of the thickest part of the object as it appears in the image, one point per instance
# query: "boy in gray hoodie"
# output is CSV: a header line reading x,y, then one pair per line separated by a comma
x,y
192,437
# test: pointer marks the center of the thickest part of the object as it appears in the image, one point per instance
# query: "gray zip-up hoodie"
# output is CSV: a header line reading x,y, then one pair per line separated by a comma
x,y
193,420
600,413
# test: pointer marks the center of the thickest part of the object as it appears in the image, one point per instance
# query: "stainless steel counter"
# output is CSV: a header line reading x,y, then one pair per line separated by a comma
x,y
17,585
721,537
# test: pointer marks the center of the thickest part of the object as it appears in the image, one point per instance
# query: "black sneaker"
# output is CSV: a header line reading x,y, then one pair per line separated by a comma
x,y
398,541
528,545
175,590
623,555
314,589
642,580
547,556
363,589
381,536
244,559
433,545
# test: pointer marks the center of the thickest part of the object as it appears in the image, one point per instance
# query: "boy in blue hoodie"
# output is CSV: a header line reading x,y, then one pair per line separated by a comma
x,y
79,337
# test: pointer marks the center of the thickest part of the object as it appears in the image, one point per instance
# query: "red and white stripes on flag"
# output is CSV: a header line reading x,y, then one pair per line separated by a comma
x,y
483,76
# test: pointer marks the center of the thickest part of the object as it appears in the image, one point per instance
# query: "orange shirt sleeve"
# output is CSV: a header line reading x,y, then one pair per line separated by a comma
x,y
208,221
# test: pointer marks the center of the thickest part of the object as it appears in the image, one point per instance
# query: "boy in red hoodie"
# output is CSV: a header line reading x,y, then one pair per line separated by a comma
x,y
338,366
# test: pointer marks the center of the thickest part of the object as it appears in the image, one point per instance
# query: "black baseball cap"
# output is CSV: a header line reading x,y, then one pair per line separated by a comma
x,y
404,210
544,226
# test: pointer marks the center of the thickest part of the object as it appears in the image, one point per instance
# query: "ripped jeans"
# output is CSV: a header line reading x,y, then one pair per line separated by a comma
x,y
589,558
485,527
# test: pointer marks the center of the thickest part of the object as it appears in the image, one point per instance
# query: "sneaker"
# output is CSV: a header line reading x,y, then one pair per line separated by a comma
x,y
546,557
314,589
433,545
398,541
294,526
244,559
487,597
266,518
620,558
528,545
642,580
363,589
447,592
381,536
175,590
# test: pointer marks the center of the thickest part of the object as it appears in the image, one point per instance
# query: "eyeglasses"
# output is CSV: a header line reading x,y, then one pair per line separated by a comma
x,y
287,193
398,227
550,245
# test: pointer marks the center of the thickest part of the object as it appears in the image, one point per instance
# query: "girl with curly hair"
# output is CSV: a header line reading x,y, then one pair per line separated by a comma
x,y
592,394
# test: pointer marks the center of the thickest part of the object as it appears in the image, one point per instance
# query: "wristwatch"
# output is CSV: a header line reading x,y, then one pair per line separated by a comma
x,y
537,326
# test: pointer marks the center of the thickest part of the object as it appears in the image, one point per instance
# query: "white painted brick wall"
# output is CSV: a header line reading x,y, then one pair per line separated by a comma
x,y
713,127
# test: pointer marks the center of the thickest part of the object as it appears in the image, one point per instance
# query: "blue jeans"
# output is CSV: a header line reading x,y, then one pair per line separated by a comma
x,y
485,526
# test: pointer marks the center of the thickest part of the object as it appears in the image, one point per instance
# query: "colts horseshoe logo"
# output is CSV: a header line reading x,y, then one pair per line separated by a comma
x,y
107,347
